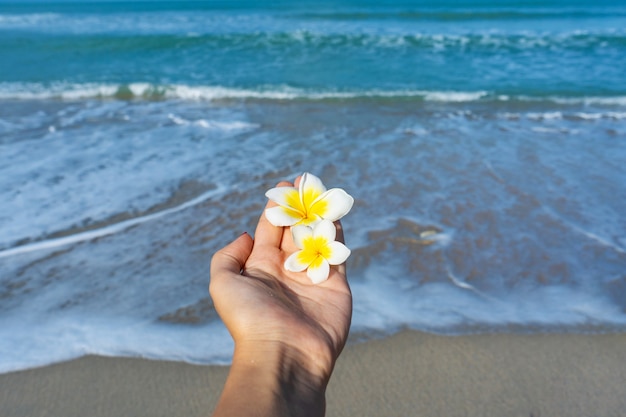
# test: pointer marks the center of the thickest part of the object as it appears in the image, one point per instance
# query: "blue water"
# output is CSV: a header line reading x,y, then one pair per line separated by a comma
x,y
484,143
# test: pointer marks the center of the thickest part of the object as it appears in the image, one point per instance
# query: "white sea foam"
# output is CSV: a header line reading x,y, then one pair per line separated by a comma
x,y
77,91
107,230
48,188
543,116
610,115
28,20
140,90
216,93
455,97
603,101
553,115
550,130
214,124
118,22
59,90
584,100
384,305
28,341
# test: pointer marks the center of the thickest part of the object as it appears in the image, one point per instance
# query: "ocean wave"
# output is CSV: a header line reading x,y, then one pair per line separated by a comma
x,y
557,115
155,20
465,14
616,100
30,20
151,18
70,91
184,29
147,91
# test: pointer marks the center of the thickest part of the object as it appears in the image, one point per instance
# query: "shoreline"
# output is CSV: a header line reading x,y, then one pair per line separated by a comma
x,y
409,373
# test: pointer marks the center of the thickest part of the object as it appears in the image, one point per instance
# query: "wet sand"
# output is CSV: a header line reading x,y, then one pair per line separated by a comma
x,y
409,374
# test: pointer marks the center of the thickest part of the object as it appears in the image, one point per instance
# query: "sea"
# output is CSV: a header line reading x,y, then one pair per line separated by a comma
x,y
484,142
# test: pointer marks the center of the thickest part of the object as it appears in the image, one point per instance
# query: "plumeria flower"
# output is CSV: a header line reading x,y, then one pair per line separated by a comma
x,y
307,204
318,249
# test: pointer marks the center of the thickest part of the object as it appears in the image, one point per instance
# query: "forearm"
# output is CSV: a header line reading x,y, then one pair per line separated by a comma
x,y
272,381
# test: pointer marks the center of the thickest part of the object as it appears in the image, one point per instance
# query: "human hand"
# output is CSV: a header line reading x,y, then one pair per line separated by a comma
x,y
278,317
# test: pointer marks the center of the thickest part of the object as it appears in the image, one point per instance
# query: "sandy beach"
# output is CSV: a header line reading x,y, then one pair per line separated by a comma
x,y
408,374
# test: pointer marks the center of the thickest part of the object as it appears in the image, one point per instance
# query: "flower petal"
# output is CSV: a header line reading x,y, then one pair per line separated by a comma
x,y
311,187
338,253
299,233
281,216
285,196
318,271
294,263
325,229
333,204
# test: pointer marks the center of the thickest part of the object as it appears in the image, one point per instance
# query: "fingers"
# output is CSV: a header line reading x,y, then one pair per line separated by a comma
x,y
340,238
339,228
232,257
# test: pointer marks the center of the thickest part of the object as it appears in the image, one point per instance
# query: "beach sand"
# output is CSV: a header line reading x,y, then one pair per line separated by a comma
x,y
408,374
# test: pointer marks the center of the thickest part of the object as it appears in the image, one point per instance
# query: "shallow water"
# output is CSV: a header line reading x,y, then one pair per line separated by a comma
x,y
484,148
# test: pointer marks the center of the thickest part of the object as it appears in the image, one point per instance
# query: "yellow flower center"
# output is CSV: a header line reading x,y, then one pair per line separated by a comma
x,y
304,208
315,250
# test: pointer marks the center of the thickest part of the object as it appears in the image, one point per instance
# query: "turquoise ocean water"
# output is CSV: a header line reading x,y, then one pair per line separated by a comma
x,y
484,143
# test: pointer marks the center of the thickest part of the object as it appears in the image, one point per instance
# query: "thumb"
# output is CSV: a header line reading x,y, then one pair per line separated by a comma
x,y
232,257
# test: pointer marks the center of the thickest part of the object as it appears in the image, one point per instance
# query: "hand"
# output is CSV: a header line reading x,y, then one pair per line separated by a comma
x,y
286,326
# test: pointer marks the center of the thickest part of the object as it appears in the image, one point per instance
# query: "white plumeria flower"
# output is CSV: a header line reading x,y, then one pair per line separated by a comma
x,y
307,204
318,250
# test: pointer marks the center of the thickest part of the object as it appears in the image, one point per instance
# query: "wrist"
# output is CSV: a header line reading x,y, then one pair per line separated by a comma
x,y
295,380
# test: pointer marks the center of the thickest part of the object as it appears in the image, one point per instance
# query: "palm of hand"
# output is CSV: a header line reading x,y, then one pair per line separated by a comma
x,y
265,303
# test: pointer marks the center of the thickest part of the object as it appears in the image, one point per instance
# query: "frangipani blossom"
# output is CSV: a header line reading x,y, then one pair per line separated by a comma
x,y
318,250
307,204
